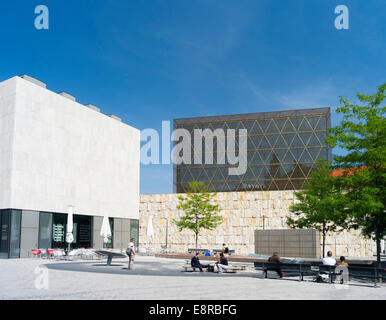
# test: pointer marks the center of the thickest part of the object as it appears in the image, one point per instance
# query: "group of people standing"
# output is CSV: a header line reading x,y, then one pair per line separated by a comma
x,y
221,264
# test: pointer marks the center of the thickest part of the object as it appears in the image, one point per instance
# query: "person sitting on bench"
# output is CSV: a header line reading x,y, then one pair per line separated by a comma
x,y
329,261
195,263
222,263
275,258
342,262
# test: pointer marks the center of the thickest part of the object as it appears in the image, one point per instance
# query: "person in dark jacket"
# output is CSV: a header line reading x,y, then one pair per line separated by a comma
x,y
222,263
275,258
195,263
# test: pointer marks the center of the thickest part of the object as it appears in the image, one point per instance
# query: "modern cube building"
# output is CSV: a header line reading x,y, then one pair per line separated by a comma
x,y
55,153
282,149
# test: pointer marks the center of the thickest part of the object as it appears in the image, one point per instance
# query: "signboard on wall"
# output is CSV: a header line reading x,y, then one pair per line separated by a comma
x,y
58,232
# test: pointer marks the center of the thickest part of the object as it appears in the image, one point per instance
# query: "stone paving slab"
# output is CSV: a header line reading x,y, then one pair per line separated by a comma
x,y
157,279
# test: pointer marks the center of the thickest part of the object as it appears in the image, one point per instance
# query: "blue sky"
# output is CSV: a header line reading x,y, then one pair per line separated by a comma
x,y
149,61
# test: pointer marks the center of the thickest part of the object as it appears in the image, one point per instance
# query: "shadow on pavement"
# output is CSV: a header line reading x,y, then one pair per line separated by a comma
x,y
167,269
143,268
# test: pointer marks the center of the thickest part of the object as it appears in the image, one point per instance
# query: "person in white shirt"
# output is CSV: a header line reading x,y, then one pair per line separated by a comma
x,y
329,260
131,253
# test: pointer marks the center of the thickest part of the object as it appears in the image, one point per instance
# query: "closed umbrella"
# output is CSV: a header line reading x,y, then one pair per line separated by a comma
x,y
105,230
150,230
70,226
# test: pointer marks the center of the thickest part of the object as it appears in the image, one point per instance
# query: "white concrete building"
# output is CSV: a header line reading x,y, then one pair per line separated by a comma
x,y
55,152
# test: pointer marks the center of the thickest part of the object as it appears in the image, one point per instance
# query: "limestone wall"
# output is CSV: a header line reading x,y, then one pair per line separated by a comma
x,y
243,213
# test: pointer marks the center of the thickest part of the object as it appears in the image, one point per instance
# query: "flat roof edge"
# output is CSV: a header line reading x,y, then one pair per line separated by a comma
x,y
33,80
256,115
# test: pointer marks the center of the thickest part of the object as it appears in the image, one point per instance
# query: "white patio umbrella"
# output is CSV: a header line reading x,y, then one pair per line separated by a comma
x,y
105,230
70,226
150,230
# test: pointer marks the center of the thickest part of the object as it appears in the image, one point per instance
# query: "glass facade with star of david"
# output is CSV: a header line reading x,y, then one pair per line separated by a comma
x,y
282,150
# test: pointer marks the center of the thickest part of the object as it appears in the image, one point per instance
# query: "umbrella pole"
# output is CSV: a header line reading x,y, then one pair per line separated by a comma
x,y
167,226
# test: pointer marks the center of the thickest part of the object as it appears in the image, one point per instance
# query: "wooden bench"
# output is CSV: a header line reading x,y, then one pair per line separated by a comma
x,y
217,251
303,269
234,269
231,269
367,273
237,268
354,272
202,251
189,268
289,269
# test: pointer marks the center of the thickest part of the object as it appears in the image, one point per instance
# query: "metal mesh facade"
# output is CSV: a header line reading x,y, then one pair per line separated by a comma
x,y
282,149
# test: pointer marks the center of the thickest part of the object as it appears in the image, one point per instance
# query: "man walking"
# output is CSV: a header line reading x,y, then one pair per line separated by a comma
x,y
130,251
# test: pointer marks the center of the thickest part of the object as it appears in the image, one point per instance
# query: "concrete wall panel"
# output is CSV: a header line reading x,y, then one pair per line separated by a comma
x,y
29,233
56,152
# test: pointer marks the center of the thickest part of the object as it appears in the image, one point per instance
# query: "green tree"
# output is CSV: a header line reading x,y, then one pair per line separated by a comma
x,y
319,204
362,136
200,213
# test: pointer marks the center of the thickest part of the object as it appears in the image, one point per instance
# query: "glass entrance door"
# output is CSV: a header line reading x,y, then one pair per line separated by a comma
x,y
10,228
82,231
14,238
4,234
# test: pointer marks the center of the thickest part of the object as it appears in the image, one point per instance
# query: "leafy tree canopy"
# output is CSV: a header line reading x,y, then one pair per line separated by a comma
x,y
200,212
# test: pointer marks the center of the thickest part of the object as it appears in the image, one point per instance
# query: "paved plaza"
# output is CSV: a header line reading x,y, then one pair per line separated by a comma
x,y
157,279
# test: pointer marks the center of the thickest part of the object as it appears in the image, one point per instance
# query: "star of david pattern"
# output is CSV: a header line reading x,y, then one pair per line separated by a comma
x,y
281,153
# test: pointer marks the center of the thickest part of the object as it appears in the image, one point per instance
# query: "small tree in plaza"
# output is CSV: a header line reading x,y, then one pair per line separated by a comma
x,y
199,211
320,204
362,135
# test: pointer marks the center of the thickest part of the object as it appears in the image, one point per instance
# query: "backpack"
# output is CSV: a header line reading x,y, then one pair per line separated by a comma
x,y
210,269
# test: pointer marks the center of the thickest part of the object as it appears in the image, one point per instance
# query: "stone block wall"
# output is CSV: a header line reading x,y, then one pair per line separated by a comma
x,y
243,213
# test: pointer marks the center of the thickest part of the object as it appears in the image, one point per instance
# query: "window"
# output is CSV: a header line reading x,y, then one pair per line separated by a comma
x,y
45,230
4,233
134,231
10,228
14,241
109,244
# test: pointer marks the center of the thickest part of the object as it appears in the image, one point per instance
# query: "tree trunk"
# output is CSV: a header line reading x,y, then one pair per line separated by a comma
x,y
378,265
197,231
324,240
378,252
